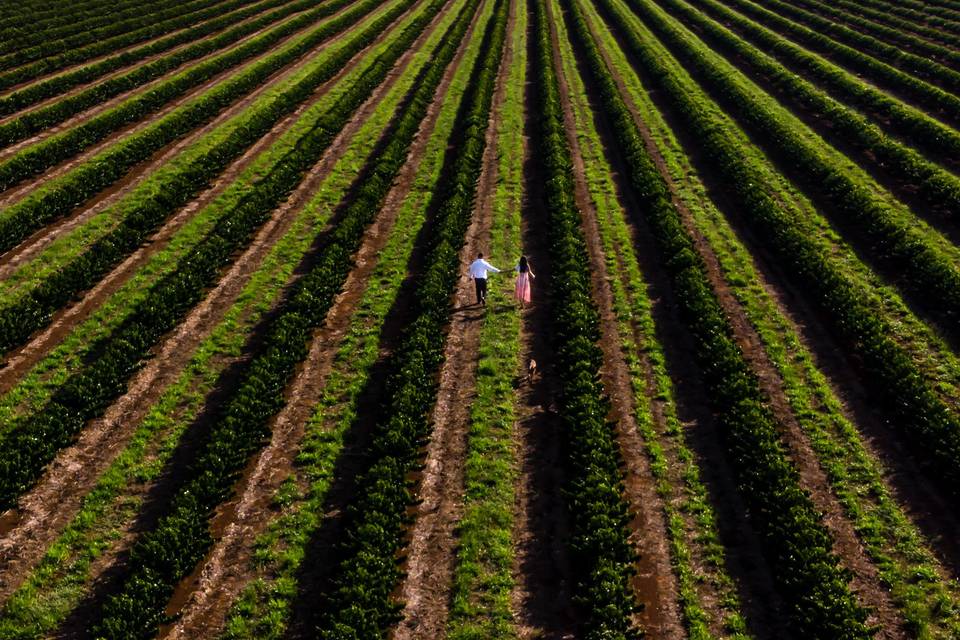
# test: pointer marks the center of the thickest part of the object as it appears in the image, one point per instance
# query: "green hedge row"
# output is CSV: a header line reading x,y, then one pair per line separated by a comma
x,y
903,34
940,188
59,83
813,584
890,239
910,402
175,17
604,559
937,140
165,554
70,57
33,442
45,117
918,66
23,15
63,26
38,158
358,603
941,18
82,183
933,99
35,308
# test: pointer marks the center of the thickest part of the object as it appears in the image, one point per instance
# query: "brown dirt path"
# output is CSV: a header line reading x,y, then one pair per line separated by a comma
x,y
43,512
866,584
206,596
431,551
149,59
134,174
19,361
543,577
656,584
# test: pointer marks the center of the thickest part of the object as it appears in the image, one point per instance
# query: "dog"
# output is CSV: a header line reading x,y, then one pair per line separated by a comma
x,y
531,370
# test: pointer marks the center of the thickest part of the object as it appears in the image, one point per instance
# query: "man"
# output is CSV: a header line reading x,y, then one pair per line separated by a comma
x,y
478,271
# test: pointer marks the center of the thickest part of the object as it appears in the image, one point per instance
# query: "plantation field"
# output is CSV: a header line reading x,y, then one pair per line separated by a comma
x,y
247,391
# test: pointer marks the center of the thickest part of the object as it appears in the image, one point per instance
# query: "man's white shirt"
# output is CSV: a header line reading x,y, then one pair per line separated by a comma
x,y
480,267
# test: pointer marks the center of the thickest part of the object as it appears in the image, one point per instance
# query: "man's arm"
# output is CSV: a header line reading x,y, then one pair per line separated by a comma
x,y
491,267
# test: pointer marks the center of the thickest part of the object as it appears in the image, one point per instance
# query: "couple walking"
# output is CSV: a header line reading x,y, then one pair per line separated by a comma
x,y
479,269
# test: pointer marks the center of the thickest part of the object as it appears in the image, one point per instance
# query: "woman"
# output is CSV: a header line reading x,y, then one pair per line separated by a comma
x,y
524,275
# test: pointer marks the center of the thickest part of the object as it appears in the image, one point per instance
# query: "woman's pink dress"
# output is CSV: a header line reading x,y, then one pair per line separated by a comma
x,y
522,289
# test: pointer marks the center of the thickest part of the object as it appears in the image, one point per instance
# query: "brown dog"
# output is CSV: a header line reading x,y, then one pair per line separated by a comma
x,y
531,370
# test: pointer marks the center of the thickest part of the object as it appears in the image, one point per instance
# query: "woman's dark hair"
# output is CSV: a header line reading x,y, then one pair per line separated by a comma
x,y
524,267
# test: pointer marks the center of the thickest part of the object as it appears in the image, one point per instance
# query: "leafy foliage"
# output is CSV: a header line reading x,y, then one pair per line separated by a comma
x,y
935,138
938,187
912,403
162,556
797,543
35,440
50,56
44,117
358,601
605,560
109,166
34,310
933,99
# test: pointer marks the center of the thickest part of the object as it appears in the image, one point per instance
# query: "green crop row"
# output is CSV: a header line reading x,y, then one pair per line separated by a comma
x,y
887,233
72,57
861,13
604,558
36,121
482,580
68,26
282,559
33,310
921,67
938,187
180,539
935,100
901,35
53,55
110,165
66,193
357,603
64,577
933,137
907,567
919,13
911,402
60,83
706,593
86,393
20,17
813,583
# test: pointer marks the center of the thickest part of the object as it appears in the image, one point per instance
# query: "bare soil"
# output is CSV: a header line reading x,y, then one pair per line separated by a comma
x,y
655,584
204,598
432,541
44,511
866,584
20,360
543,575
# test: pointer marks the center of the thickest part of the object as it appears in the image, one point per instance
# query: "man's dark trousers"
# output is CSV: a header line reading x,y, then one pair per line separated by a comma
x,y
481,285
